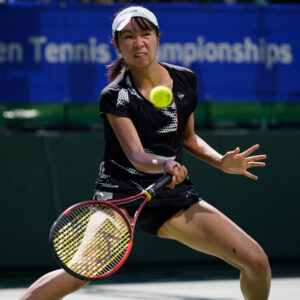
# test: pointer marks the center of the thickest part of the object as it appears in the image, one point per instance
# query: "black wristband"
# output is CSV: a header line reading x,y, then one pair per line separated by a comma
x,y
164,164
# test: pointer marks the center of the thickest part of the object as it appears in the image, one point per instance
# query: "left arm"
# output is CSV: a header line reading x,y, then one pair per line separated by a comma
x,y
196,146
232,162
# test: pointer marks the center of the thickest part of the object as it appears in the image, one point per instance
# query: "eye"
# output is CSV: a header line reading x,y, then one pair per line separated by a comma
x,y
127,36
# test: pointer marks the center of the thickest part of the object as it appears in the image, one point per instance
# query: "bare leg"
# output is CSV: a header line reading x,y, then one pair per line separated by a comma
x,y
53,286
204,228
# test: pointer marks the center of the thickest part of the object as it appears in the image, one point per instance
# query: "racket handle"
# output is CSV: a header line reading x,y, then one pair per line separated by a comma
x,y
159,184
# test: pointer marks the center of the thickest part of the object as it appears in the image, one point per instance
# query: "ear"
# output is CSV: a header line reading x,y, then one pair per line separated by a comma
x,y
117,47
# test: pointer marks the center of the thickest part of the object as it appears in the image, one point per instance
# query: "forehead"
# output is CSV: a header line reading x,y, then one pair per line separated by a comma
x,y
134,26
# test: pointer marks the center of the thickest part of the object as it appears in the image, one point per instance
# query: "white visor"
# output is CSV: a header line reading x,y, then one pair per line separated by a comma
x,y
124,17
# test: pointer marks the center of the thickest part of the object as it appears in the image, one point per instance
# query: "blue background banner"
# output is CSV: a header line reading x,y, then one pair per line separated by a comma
x,y
55,54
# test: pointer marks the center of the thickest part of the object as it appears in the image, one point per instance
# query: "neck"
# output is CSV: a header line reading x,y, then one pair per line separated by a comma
x,y
146,79
149,76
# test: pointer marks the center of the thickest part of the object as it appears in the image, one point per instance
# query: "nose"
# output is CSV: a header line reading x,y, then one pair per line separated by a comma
x,y
139,42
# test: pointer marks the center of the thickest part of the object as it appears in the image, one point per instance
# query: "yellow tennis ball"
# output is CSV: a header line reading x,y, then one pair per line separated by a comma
x,y
161,96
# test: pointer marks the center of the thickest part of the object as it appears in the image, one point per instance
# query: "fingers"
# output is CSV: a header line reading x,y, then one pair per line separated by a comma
x,y
250,150
178,171
179,174
253,161
256,157
255,164
173,183
234,152
250,175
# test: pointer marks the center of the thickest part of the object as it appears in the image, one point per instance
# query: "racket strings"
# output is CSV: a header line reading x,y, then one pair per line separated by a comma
x,y
68,238
108,251
91,242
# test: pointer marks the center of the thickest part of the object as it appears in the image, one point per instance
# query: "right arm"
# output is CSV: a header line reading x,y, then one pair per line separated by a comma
x,y
130,142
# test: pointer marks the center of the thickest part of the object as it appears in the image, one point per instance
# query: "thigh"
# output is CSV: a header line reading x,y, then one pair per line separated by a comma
x,y
204,228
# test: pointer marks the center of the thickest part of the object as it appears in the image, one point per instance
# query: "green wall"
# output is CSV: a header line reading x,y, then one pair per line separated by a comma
x,y
44,172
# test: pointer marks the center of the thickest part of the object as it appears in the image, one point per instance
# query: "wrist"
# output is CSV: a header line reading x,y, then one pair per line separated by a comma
x,y
163,164
219,163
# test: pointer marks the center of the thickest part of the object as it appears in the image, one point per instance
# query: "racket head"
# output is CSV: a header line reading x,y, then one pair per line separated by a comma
x,y
92,239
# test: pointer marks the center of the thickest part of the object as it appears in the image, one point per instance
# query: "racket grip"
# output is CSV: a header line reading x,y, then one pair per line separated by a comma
x,y
159,184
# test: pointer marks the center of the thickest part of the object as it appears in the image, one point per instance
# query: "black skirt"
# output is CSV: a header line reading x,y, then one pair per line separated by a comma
x,y
158,210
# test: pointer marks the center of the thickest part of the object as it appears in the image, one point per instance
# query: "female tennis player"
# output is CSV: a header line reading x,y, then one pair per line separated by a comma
x,y
143,142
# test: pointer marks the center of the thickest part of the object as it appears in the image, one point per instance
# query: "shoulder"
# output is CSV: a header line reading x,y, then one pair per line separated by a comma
x,y
117,92
182,73
186,86
119,97
114,87
177,68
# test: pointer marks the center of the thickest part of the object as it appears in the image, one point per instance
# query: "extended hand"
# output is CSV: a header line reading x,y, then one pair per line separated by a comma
x,y
234,162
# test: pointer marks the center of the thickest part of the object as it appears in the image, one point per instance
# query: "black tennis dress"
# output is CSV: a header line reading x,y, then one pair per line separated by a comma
x,y
161,132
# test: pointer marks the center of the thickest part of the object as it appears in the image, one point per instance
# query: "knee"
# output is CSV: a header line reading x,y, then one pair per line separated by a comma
x,y
78,284
258,264
73,284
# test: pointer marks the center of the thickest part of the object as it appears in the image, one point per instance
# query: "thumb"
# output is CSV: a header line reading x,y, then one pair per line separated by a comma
x,y
236,151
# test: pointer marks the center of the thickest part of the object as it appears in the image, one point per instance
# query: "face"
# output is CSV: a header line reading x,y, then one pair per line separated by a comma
x,y
137,46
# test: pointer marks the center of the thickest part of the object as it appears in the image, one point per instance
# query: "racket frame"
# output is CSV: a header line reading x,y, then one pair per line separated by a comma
x,y
146,195
111,204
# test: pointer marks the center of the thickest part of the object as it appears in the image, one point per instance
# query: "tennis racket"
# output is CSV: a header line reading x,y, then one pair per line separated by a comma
x,y
93,239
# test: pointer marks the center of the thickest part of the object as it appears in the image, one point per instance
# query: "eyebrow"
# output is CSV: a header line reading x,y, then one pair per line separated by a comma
x,y
126,31
131,31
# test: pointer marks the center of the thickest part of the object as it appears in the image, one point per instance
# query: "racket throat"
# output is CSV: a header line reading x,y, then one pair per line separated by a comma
x,y
148,194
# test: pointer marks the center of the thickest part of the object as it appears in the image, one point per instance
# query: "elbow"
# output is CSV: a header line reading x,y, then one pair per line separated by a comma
x,y
188,143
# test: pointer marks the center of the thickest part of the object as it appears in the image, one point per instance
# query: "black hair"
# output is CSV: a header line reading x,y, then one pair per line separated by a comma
x,y
119,65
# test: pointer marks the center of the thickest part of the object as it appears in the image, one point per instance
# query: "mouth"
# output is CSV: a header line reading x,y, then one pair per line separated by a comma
x,y
140,54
